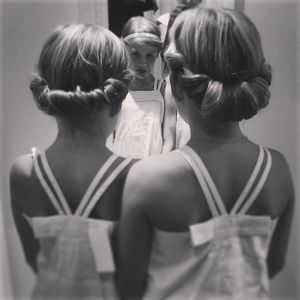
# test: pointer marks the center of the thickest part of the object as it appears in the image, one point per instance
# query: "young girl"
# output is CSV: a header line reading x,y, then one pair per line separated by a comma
x,y
199,226
146,122
66,199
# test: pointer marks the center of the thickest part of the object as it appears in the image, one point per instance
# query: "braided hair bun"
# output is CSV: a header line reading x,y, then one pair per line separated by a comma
x,y
217,59
81,68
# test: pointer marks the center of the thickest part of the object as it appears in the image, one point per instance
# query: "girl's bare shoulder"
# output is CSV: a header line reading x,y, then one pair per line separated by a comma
x,y
158,167
280,165
21,172
153,177
281,169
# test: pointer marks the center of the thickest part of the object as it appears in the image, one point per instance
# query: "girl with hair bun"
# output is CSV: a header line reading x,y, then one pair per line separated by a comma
x,y
199,227
66,199
146,122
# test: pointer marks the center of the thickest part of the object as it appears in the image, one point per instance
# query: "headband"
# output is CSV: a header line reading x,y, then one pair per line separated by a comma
x,y
144,35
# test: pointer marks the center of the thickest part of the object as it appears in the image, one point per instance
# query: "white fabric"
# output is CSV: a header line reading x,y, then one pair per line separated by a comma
x,y
72,263
222,258
138,132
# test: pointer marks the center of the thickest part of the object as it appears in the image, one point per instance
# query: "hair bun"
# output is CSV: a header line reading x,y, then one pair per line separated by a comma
x,y
194,85
231,56
38,85
60,102
235,102
238,96
116,90
266,73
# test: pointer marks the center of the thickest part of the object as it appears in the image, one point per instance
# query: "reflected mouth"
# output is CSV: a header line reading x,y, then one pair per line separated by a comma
x,y
141,71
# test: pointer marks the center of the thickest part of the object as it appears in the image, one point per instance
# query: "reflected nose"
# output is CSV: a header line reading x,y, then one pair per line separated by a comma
x,y
143,62
143,65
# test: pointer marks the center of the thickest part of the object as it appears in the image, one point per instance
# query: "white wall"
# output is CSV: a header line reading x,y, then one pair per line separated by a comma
x,y
276,126
297,179
5,282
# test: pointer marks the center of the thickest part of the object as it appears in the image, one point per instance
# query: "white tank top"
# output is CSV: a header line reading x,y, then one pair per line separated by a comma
x,y
220,259
75,260
138,131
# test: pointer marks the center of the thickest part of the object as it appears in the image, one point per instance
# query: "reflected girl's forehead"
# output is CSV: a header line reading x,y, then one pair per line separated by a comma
x,y
143,47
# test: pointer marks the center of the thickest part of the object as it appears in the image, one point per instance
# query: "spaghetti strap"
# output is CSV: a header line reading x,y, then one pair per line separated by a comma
x,y
211,185
94,183
155,84
103,187
207,194
44,183
55,185
259,185
250,182
162,99
159,85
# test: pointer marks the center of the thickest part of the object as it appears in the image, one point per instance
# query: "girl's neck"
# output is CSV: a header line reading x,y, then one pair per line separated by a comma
x,y
76,139
212,132
80,139
142,84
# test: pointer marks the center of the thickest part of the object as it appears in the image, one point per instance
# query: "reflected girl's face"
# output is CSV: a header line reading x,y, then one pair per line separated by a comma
x,y
142,59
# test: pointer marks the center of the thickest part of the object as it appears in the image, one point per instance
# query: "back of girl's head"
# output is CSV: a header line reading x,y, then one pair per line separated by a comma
x,y
80,68
217,58
142,29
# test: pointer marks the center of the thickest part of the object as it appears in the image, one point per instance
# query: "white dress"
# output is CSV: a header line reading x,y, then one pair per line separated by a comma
x,y
75,260
223,258
138,132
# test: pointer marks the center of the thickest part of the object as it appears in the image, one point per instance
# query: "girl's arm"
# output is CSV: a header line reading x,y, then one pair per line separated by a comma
x,y
134,238
280,240
281,235
170,119
19,192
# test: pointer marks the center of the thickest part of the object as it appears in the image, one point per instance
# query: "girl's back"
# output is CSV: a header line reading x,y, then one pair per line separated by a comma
x,y
81,169
211,233
73,229
230,167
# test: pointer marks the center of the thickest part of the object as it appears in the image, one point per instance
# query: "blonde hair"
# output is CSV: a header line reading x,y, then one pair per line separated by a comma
x,y
143,30
80,68
221,49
